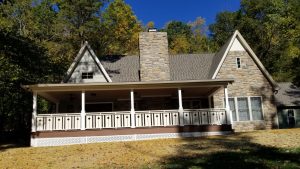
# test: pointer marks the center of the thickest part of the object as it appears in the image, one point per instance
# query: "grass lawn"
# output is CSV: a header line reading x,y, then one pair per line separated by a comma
x,y
259,149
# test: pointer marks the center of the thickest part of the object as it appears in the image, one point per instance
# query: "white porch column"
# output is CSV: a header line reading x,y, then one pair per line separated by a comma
x,y
227,103
132,111
34,112
82,113
180,109
56,107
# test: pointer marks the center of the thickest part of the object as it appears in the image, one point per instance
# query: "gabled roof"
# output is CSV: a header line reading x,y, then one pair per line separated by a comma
x,y
288,95
85,47
221,55
182,67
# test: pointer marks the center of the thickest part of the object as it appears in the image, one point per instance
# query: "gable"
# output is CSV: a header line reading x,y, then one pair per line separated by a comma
x,y
238,44
86,68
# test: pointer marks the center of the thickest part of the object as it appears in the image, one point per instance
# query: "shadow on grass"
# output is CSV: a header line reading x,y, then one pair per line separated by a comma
x,y
13,140
226,152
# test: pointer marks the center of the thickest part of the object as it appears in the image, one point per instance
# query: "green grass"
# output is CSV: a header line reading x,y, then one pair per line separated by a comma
x,y
259,149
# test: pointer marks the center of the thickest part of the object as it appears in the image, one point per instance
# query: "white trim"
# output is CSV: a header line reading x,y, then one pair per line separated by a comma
x,y
59,141
180,108
132,110
250,108
82,113
236,109
225,54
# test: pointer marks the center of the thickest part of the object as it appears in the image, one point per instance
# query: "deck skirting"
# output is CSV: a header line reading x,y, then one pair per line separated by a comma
x,y
59,141
58,138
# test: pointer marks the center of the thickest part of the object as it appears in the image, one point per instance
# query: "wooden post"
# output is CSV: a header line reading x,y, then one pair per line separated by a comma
x,y
82,114
227,104
180,109
132,111
34,112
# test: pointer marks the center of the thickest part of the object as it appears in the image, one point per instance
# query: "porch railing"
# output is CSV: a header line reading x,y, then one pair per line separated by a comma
x,y
122,119
67,121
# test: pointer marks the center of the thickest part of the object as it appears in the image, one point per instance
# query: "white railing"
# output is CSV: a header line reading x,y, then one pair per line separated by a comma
x,y
101,120
122,119
66,121
156,118
204,117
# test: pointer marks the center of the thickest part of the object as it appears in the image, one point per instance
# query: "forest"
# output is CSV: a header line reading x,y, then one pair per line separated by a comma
x,y
40,38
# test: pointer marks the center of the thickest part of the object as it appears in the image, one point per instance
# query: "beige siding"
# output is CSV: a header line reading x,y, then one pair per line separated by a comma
x,y
249,81
87,64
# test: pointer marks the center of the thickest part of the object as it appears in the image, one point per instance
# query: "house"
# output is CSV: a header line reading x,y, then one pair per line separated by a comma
x,y
156,95
288,105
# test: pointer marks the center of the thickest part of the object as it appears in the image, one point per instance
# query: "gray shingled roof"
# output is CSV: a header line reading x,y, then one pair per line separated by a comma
x,y
121,68
288,95
182,67
190,66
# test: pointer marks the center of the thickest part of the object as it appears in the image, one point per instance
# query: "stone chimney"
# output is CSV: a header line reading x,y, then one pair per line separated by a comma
x,y
154,56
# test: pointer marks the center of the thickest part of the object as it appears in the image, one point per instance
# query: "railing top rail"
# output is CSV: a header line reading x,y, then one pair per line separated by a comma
x,y
113,112
60,114
209,109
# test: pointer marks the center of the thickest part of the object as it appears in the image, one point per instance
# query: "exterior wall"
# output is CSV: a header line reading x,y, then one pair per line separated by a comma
x,y
87,64
154,56
249,81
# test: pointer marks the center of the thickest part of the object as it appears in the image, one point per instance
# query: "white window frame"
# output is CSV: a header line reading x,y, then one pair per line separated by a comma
x,y
238,64
262,107
249,107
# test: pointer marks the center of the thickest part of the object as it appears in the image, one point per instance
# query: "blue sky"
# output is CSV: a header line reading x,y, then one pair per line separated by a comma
x,y
162,11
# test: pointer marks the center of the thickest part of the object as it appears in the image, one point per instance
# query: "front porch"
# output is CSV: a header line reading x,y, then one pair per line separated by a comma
x,y
131,111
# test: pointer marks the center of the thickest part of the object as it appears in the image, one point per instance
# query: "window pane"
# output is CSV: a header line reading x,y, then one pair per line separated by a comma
x,y
256,108
232,108
243,109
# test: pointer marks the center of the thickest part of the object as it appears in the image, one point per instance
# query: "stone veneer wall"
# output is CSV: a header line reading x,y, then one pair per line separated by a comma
x,y
154,56
249,81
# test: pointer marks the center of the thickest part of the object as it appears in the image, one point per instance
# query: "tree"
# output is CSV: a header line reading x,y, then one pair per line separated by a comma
x,y
200,42
272,29
121,29
79,20
179,36
22,61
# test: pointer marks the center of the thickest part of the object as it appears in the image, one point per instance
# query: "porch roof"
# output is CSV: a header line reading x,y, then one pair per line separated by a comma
x,y
126,85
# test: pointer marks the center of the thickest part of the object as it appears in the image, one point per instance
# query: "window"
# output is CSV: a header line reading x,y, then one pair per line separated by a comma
x,y
256,108
87,75
246,108
243,109
232,108
238,62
